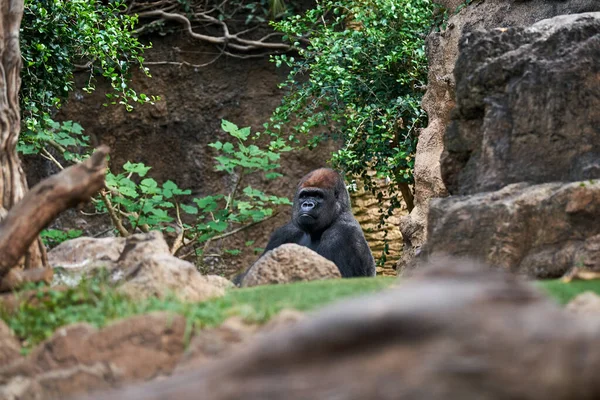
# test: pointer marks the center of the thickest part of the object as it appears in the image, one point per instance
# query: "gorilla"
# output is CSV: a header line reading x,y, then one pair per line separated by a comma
x,y
322,220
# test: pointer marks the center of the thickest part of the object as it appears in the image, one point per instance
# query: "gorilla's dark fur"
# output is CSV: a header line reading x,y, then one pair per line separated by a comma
x,y
322,220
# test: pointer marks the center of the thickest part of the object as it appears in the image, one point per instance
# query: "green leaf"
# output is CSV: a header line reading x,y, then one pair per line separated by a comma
x,y
128,191
273,175
218,226
216,145
228,148
189,209
228,127
149,186
137,168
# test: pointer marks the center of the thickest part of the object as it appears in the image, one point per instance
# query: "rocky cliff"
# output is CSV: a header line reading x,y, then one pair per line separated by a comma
x,y
441,97
527,110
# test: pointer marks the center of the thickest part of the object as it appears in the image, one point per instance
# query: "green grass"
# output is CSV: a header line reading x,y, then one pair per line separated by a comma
x,y
564,292
96,303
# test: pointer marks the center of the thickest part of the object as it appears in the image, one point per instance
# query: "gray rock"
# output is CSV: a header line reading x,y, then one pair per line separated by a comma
x,y
10,348
141,264
85,256
162,274
440,98
80,358
210,344
586,303
457,330
540,230
527,106
290,263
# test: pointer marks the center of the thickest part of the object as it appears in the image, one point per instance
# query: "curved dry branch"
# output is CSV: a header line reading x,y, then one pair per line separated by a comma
x,y
44,202
227,40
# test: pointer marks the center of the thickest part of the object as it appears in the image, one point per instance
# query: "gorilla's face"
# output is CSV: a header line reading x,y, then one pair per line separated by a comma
x,y
314,209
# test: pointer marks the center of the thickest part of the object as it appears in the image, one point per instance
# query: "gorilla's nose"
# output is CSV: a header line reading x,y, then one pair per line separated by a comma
x,y
307,205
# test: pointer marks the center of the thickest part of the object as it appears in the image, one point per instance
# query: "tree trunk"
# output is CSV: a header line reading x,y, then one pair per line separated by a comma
x,y
12,179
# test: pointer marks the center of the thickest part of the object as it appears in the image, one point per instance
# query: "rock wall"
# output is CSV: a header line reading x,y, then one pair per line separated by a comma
x,y
365,207
440,99
528,107
528,110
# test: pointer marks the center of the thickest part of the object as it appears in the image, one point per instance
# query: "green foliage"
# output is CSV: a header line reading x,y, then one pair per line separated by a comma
x,y
149,205
58,34
65,136
219,214
564,292
359,78
142,201
139,202
92,301
95,302
54,237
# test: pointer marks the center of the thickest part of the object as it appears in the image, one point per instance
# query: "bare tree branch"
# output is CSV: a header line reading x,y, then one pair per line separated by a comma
x,y
228,40
44,202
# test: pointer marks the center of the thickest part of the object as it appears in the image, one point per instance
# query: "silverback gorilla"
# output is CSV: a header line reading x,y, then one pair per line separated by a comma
x,y
322,220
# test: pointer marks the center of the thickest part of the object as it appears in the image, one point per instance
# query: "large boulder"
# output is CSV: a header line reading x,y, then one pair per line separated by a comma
x,y
538,230
527,106
76,258
232,335
440,98
10,348
141,263
290,263
586,303
80,358
526,112
458,330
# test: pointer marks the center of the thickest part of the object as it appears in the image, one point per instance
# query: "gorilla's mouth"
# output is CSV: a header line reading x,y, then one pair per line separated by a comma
x,y
306,215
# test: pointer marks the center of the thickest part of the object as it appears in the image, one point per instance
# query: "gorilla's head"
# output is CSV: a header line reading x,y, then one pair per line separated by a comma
x,y
320,198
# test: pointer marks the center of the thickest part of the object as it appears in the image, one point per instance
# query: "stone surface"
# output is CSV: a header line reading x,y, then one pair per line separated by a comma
x,y
540,230
85,256
528,106
455,330
290,263
10,348
219,281
141,263
212,344
440,99
82,251
366,209
586,303
164,274
81,359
